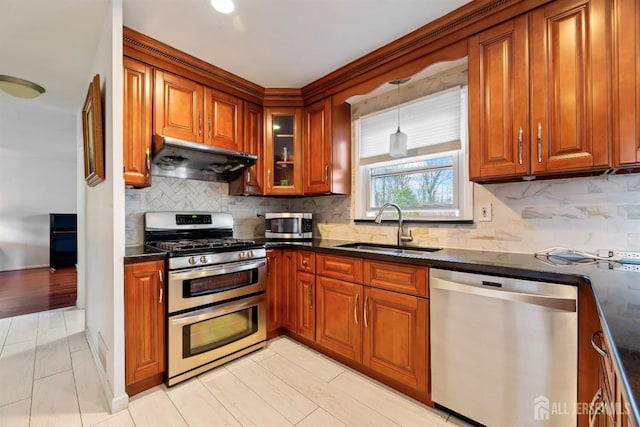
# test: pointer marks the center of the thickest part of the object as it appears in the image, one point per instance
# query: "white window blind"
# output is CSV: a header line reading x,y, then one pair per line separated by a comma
x,y
432,125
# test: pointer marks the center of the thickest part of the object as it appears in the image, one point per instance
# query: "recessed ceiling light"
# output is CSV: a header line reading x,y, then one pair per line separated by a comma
x,y
19,87
223,6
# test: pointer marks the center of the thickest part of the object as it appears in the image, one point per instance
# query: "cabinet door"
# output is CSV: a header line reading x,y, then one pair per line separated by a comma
x,y
283,151
290,291
178,107
144,322
570,86
627,87
317,147
395,336
137,123
275,290
306,305
499,101
339,317
224,127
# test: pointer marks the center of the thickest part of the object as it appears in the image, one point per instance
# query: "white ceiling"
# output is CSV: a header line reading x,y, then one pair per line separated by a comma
x,y
274,43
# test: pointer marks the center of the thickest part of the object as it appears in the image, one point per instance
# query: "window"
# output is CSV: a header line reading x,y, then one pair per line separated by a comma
x,y
431,182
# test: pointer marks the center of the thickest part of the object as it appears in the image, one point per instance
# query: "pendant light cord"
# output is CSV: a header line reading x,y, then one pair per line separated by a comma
x,y
398,107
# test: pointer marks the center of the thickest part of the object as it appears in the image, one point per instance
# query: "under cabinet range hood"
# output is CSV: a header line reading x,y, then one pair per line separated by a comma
x,y
184,159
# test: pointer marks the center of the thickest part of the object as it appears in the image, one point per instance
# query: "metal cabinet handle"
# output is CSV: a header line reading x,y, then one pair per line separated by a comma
x,y
248,176
355,308
539,142
160,276
269,177
200,124
366,302
326,173
268,267
161,289
602,352
209,118
160,297
305,262
595,407
148,162
520,145
309,292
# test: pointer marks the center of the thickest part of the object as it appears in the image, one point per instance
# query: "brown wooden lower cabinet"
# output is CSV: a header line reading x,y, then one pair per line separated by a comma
x,y
597,378
274,292
290,291
144,323
395,336
306,305
339,316
383,330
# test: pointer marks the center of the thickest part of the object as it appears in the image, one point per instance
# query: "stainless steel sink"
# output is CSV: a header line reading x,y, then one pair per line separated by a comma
x,y
387,249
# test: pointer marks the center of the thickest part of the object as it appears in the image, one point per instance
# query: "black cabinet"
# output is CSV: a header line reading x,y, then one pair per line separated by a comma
x,y
63,241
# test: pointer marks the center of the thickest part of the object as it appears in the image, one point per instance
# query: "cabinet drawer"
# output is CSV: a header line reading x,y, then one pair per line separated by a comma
x,y
307,261
340,267
408,279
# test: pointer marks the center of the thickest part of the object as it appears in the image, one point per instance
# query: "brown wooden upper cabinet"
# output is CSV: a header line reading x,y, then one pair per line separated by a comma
x,y
187,110
137,123
327,148
539,93
224,120
627,84
251,181
283,151
179,107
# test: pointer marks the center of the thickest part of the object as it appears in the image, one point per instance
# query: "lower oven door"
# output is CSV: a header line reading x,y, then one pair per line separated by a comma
x,y
199,338
207,285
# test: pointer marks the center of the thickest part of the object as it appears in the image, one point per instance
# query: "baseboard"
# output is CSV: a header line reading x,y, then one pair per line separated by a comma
x,y
28,267
116,403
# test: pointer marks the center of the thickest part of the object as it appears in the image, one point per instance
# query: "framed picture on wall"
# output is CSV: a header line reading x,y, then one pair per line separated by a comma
x,y
92,134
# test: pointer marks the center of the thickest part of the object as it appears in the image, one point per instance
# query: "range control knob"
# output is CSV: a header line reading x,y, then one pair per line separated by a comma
x,y
192,260
203,259
250,254
242,255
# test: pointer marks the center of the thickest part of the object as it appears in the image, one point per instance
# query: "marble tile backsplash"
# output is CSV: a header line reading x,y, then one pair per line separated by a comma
x,y
173,194
579,213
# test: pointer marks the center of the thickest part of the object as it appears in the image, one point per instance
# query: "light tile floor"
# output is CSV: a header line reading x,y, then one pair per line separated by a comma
x,y
48,378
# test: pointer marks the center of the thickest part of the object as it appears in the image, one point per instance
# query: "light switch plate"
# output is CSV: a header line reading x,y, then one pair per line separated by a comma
x,y
484,213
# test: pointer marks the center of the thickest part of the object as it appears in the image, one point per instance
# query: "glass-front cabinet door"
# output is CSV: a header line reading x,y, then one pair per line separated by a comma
x,y
283,151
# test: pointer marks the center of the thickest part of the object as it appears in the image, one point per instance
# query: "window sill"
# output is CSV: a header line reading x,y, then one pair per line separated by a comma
x,y
417,221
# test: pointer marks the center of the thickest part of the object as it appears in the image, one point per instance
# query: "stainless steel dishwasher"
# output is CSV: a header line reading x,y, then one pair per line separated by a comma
x,y
504,351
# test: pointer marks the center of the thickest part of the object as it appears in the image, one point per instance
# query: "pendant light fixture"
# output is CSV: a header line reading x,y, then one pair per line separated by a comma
x,y
398,140
19,87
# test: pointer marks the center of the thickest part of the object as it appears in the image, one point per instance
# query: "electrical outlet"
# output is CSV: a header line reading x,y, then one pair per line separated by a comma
x,y
484,213
629,256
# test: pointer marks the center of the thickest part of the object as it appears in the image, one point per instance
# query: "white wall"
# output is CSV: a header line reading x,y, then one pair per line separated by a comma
x,y
102,216
37,177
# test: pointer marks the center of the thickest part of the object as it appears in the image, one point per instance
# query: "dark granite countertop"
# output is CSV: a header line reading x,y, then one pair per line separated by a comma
x,y
617,292
142,253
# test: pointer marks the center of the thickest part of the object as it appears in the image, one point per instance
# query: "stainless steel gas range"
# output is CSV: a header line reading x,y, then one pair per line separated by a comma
x,y
216,309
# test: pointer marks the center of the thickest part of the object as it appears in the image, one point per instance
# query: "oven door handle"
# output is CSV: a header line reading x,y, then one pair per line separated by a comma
x,y
218,270
216,311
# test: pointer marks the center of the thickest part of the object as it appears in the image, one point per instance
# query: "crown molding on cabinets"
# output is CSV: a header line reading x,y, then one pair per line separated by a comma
x,y
439,40
160,55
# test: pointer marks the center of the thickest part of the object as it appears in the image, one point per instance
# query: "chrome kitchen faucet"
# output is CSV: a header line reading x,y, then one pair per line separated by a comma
x,y
401,236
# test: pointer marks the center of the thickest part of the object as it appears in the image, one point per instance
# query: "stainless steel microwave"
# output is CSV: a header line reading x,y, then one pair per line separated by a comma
x,y
291,226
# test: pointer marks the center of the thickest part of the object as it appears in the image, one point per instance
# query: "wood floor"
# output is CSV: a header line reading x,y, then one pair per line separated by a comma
x,y
36,289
